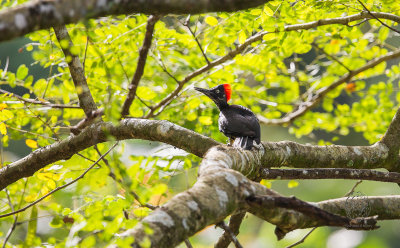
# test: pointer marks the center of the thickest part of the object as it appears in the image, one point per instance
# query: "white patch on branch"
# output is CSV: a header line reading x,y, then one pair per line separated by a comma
x,y
184,224
231,179
46,8
20,21
163,128
193,205
357,151
222,196
288,150
159,216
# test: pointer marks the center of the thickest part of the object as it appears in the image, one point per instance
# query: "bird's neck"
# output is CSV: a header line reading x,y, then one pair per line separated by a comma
x,y
222,105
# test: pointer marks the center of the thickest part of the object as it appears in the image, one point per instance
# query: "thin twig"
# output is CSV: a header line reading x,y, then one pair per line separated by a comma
x,y
84,56
234,224
14,224
31,133
331,173
143,51
384,24
231,234
188,244
353,188
61,187
187,25
32,101
302,240
120,182
331,56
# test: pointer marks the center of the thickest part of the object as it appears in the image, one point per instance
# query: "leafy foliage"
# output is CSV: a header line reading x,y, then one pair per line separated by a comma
x,y
272,76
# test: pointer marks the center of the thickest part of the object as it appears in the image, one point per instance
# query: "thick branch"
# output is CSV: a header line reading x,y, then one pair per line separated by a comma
x,y
331,173
324,217
162,131
386,207
272,154
86,101
392,136
42,14
151,21
221,190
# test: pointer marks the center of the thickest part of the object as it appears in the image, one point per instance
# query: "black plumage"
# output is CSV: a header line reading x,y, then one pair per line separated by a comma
x,y
236,122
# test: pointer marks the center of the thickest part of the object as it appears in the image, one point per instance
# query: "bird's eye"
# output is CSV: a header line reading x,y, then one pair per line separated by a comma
x,y
217,91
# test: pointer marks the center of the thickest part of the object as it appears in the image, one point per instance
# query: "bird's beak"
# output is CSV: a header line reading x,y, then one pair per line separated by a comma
x,y
204,91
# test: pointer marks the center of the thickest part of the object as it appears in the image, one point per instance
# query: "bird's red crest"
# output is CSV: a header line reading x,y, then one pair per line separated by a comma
x,y
228,91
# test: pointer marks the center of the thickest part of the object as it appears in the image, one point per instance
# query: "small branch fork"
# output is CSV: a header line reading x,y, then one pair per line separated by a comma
x,y
232,236
144,50
324,217
331,173
187,25
373,15
234,225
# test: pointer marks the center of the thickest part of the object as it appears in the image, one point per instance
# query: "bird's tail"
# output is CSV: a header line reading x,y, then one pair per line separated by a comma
x,y
244,142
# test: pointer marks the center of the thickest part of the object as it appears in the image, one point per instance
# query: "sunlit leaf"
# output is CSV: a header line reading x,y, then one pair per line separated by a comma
x,y
293,184
211,20
31,143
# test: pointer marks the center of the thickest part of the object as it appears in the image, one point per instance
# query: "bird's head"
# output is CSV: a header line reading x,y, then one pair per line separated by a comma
x,y
220,94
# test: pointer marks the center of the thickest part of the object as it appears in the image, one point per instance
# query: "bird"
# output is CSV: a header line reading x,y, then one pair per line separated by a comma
x,y
236,122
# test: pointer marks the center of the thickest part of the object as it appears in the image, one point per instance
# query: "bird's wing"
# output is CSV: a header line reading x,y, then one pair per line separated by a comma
x,y
240,125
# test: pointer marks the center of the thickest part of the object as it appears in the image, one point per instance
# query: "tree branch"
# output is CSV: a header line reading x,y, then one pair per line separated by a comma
x,y
234,224
143,51
392,136
162,131
273,154
331,173
42,14
86,101
384,24
302,240
324,217
14,224
221,190
32,101
230,233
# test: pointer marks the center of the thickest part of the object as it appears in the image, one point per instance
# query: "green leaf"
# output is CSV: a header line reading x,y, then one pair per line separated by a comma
x,y
211,20
268,11
205,120
293,184
22,72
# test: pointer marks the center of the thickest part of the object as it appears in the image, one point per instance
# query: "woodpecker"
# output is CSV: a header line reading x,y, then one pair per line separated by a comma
x,y
236,122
